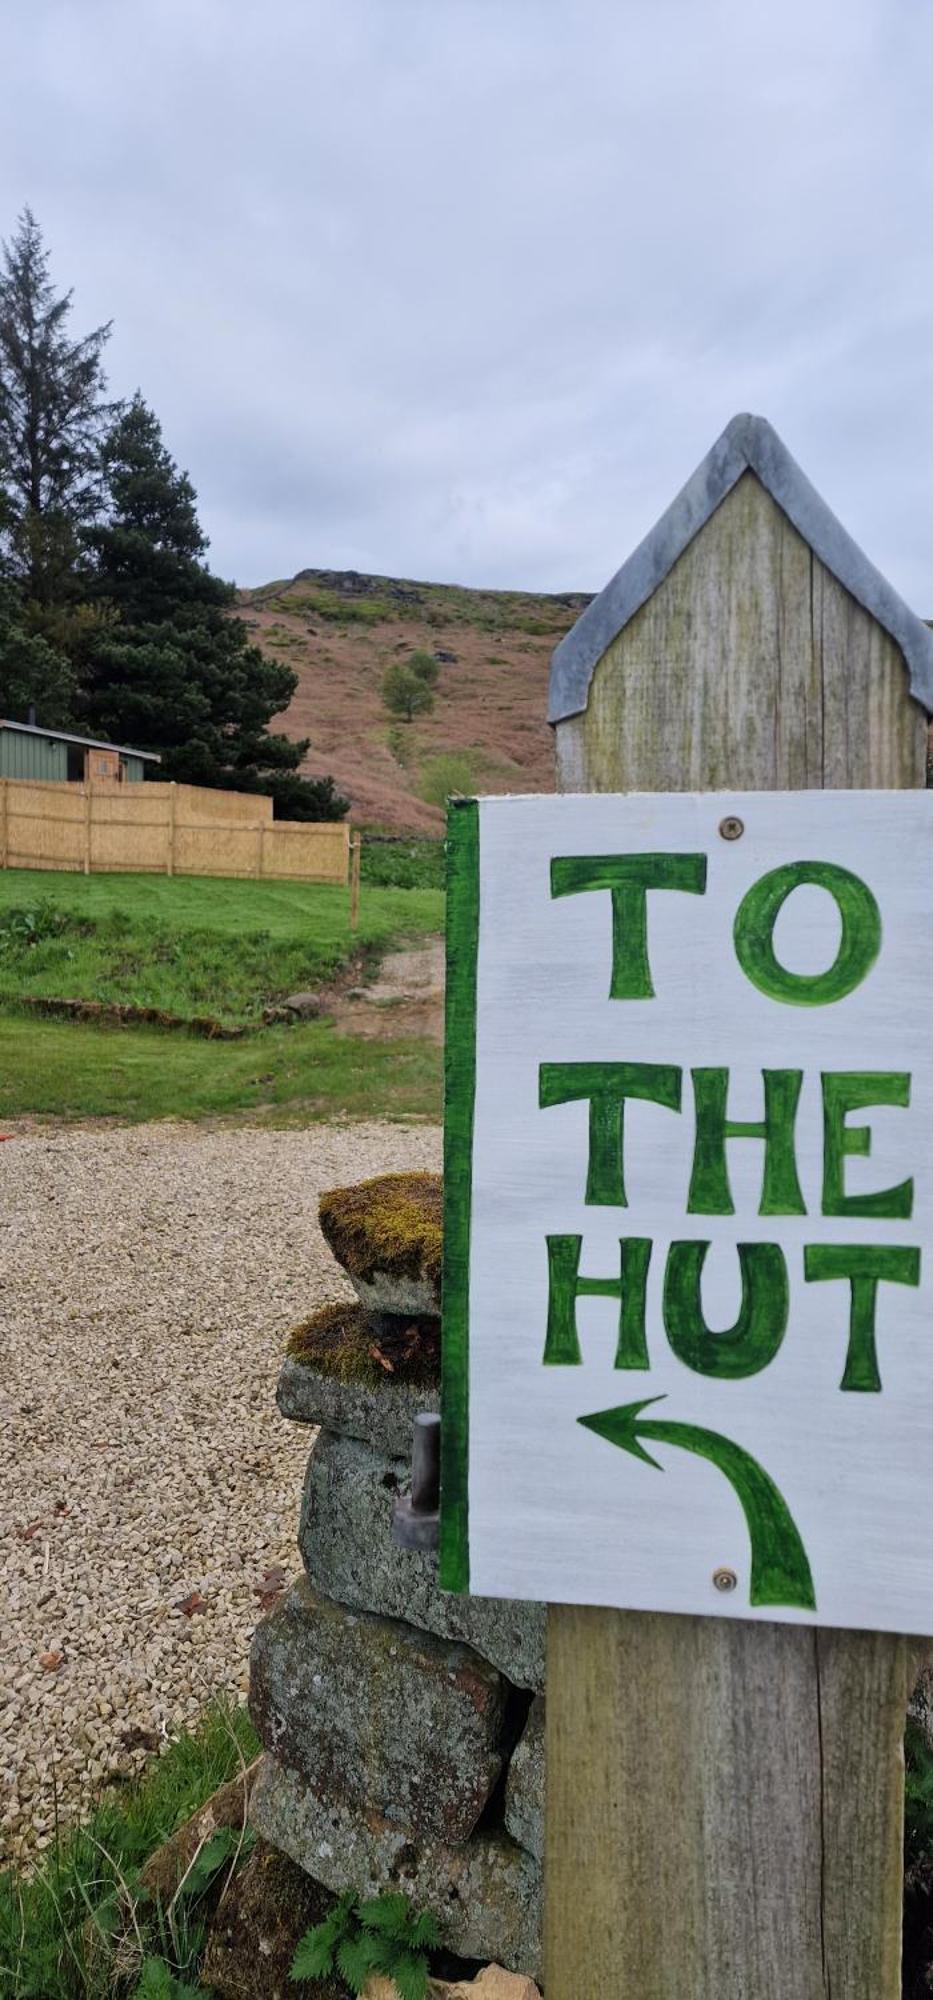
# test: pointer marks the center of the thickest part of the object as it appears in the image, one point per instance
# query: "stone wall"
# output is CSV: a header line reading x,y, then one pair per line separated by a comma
x,y
402,1728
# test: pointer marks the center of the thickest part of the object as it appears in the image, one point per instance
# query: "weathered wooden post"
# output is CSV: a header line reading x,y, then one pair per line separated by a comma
x,y
356,849
170,829
725,1790
88,823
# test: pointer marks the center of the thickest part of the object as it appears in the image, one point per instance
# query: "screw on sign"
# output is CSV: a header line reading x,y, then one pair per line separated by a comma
x,y
689,1149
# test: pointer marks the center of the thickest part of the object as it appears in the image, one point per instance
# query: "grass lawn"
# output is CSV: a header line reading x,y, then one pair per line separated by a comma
x,y
192,945
285,1076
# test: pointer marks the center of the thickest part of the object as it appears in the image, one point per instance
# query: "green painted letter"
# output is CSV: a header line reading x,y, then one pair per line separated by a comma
x,y
565,1287
628,877
853,1090
866,1266
710,1193
749,1345
607,1085
754,934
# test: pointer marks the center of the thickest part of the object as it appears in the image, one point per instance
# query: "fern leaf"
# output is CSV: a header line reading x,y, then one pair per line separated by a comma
x,y
314,1955
424,1934
356,1960
386,1914
410,1973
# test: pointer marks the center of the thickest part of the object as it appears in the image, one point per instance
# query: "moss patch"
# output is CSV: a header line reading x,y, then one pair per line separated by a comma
x,y
391,1224
345,1342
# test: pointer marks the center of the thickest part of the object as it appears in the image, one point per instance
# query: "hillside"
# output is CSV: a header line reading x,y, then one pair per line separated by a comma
x,y
487,732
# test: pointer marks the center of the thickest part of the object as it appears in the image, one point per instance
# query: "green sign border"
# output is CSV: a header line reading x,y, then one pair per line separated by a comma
x,y
459,1099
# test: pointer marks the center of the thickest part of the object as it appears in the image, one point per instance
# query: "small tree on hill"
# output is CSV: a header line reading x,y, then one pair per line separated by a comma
x,y
425,666
405,691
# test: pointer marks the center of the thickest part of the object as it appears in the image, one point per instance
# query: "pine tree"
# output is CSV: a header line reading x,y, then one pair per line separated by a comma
x,y
52,414
176,671
32,673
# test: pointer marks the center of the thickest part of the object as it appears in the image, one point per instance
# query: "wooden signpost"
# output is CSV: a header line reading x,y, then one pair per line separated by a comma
x,y
688,1393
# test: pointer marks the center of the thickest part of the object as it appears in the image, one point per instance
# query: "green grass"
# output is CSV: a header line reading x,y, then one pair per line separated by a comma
x,y
192,946
446,773
284,1076
404,863
61,1927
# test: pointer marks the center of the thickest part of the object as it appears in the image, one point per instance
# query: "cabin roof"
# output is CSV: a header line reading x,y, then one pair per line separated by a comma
x,y
747,444
86,742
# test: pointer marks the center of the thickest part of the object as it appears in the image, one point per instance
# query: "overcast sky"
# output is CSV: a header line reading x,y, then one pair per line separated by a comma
x,y
463,289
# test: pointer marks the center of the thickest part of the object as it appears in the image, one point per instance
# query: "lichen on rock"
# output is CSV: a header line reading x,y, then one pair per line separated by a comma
x,y
392,1225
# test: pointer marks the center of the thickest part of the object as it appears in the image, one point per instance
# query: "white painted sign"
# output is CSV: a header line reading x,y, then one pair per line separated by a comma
x,y
688,1340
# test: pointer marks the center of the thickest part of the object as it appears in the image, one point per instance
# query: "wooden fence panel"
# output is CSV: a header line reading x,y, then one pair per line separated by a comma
x,y
165,829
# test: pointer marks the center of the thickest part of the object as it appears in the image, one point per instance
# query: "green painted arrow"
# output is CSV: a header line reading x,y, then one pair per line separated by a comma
x,y
780,1569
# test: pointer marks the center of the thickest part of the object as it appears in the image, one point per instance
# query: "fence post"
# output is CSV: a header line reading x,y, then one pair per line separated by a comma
x,y
170,856
356,846
4,821
725,1799
88,809
261,849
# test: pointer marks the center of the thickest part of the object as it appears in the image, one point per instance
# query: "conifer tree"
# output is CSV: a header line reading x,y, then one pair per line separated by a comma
x,y
176,671
33,674
53,411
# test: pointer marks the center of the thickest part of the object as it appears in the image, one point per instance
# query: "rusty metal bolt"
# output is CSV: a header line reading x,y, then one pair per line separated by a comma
x,y
732,828
725,1579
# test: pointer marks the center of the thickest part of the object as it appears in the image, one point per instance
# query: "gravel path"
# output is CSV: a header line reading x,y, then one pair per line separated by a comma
x,y
147,1278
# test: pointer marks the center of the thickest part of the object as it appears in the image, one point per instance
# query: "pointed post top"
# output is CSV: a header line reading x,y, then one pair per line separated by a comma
x,y
748,444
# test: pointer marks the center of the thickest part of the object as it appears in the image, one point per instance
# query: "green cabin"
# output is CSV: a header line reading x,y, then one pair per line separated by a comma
x,y
26,751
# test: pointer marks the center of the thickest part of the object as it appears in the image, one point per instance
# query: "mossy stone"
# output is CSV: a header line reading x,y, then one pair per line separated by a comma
x,y
343,1397
353,1345
387,1233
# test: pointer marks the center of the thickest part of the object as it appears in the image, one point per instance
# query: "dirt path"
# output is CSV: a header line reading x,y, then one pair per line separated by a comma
x,y
407,998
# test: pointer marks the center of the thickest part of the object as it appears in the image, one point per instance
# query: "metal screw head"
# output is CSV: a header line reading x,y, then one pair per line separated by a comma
x,y
732,828
725,1579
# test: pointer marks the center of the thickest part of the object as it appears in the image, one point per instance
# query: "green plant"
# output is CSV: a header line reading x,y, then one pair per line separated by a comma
x,y
403,863
381,1934
918,1795
405,692
158,1982
21,928
81,1927
449,773
425,666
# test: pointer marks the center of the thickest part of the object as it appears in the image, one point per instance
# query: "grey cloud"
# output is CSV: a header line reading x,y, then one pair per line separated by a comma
x,y
465,290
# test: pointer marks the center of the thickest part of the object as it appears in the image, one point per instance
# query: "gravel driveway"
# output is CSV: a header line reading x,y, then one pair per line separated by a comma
x,y
147,1278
